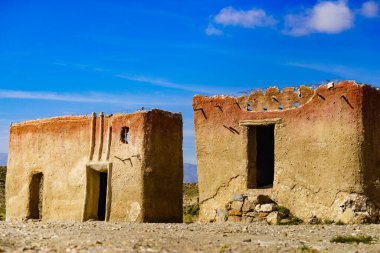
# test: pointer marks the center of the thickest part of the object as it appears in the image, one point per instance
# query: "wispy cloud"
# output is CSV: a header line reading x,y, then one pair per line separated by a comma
x,y
80,66
230,16
168,84
121,99
325,17
159,82
211,30
344,72
370,9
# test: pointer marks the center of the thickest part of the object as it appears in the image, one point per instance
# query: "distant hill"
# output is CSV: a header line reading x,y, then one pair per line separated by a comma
x,y
3,159
190,174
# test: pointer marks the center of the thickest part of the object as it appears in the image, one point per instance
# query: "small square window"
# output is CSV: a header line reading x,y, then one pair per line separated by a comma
x,y
124,136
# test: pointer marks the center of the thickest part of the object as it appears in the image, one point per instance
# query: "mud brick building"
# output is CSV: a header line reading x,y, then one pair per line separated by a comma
x,y
123,167
316,152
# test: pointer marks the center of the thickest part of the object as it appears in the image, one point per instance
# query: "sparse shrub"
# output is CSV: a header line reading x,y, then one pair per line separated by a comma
x,y
295,221
3,172
328,221
292,221
305,248
191,206
187,218
352,239
224,247
192,210
283,211
190,190
190,213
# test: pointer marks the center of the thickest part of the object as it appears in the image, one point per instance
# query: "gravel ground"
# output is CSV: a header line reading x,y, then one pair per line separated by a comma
x,y
230,237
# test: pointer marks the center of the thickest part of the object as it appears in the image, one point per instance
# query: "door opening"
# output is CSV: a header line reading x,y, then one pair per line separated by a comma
x,y
36,196
260,156
102,200
97,203
265,156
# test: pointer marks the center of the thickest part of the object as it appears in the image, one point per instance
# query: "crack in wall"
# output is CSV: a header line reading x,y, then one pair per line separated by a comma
x,y
224,185
335,198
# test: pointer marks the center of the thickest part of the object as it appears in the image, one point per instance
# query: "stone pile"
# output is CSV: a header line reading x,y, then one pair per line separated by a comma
x,y
358,209
259,208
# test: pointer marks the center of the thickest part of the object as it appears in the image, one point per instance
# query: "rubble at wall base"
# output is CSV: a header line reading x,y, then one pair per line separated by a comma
x,y
356,209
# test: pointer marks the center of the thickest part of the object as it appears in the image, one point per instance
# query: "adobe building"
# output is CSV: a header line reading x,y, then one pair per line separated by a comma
x,y
122,167
316,152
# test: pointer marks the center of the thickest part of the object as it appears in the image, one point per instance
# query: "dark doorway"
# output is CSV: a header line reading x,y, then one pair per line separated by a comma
x,y
260,156
265,156
102,195
35,196
98,193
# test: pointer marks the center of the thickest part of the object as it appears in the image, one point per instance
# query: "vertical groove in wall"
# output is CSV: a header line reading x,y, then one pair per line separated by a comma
x,y
109,136
101,130
92,141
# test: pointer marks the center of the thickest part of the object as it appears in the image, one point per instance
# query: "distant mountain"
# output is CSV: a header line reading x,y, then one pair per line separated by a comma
x,y
3,159
190,174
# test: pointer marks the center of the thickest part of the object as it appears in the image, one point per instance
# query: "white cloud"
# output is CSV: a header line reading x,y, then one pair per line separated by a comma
x,y
329,17
370,9
246,18
230,16
326,16
211,30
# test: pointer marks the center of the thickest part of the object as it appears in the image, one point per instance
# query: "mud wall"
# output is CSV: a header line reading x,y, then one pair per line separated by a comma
x,y
318,154
58,148
371,151
163,174
127,164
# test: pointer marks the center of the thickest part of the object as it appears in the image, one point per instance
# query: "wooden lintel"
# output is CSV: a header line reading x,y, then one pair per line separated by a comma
x,y
260,122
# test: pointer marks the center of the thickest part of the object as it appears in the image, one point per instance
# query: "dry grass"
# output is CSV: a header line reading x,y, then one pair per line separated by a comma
x,y
352,239
190,203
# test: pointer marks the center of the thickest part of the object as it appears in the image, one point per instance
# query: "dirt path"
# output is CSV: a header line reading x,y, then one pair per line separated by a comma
x,y
123,237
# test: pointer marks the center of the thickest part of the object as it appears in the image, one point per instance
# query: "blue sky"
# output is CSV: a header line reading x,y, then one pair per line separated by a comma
x,y
76,57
